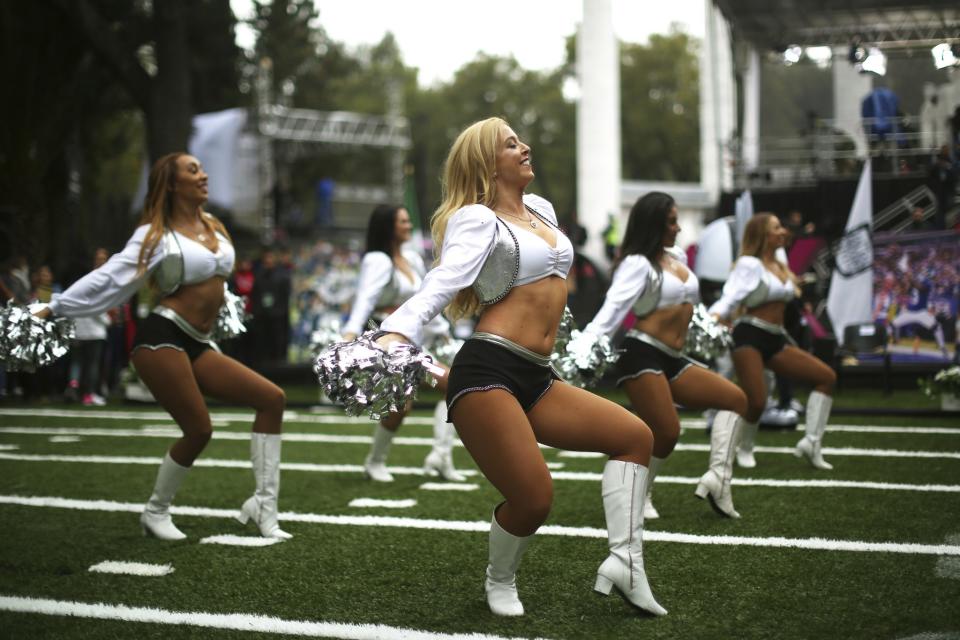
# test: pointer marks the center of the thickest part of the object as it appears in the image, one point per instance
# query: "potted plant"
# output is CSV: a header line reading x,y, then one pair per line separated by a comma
x,y
946,384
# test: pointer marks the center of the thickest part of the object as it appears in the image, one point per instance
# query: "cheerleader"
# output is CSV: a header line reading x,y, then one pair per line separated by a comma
x,y
503,256
187,256
652,278
763,285
389,275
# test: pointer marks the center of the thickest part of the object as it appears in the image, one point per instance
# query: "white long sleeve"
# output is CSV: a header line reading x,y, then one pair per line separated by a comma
x,y
109,285
629,282
745,277
469,239
376,269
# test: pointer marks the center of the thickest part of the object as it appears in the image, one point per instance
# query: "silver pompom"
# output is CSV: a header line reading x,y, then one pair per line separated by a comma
x,y
27,342
567,326
584,359
231,317
706,338
329,330
444,347
367,379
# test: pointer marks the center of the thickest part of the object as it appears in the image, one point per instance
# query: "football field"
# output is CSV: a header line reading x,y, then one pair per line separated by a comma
x,y
868,550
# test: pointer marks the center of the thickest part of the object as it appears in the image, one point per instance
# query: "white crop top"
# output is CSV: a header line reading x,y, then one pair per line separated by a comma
x,y
380,285
472,235
638,285
751,284
538,259
116,280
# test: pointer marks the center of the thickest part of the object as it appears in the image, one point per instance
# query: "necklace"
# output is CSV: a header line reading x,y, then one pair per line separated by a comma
x,y
530,219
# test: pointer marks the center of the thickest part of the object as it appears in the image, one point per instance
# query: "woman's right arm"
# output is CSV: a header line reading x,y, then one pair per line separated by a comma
x,y
744,278
375,272
109,285
629,282
469,239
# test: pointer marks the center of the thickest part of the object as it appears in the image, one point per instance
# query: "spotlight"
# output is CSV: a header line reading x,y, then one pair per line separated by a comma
x,y
857,53
792,54
875,62
944,55
821,56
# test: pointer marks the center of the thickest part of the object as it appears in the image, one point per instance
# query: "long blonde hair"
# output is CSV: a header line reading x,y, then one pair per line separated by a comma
x,y
158,207
468,178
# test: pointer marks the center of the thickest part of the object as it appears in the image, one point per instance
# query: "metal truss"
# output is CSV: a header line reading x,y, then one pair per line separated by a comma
x,y
334,128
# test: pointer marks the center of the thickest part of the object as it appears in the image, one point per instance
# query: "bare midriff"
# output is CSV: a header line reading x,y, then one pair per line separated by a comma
x,y
198,303
668,325
769,311
529,315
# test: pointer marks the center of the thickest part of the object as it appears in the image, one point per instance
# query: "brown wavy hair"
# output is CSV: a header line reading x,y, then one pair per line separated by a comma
x,y
755,235
158,208
755,239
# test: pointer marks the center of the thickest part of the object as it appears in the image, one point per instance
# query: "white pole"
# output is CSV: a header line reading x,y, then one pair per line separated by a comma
x,y
598,125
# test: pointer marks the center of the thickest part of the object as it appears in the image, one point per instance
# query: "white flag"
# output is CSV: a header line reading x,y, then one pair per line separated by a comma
x,y
743,211
851,287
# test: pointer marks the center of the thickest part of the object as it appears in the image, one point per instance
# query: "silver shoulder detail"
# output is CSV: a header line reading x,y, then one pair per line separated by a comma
x,y
501,268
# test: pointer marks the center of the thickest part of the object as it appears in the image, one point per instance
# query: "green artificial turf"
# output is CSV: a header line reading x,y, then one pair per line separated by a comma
x,y
432,580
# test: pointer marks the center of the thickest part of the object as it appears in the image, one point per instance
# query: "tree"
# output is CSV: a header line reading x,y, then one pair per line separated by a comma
x,y
659,100
147,46
51,77
79,72
530,101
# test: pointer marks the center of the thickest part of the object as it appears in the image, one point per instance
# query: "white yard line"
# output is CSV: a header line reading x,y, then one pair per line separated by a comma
x,y
700,425
232,621
448,486
173,432
240,541
363,503
217,416
819,544
293,417
423,442
131,568
160,432
586,476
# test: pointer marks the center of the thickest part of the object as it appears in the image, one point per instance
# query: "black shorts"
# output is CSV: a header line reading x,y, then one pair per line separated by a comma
x,y
156,332
641,357
767,343
482,365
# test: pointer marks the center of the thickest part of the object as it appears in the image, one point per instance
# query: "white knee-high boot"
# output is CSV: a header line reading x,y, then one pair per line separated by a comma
x,y
155,519
715,483
440,459
649,511
506,550
261,507
375,466
818,411
623,496
748,433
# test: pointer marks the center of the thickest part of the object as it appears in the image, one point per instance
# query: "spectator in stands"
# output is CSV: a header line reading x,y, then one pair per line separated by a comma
x,y
943,182
271,302
918,220
242,284
879,110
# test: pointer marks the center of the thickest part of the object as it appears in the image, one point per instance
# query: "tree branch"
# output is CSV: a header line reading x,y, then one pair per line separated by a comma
x,y
109,49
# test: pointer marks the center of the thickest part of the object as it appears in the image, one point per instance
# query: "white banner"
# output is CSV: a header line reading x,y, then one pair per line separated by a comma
x,y
851,286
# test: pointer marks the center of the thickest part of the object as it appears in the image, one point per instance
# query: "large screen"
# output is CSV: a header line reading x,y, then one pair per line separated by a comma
x,y
915,293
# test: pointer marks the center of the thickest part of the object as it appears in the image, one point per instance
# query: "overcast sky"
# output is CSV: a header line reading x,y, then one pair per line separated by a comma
x,y
440,36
